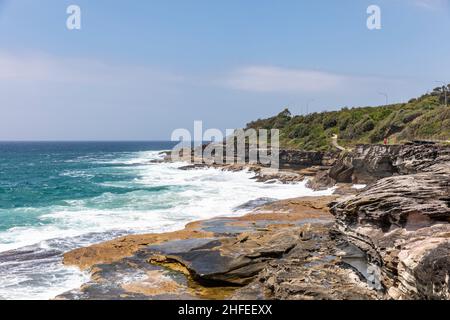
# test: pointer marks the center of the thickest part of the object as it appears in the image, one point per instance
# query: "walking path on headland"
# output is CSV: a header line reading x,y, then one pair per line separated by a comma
x,y
334,142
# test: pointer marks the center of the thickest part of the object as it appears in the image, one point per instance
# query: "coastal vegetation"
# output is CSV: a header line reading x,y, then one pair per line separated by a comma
x,y
423,118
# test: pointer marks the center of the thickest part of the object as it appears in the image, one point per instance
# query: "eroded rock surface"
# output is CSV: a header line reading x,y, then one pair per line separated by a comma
x,y
234,260
281,250
369,163
402,223
388,240
313,269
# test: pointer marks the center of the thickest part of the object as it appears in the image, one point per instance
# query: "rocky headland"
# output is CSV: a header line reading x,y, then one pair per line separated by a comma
x,y
388,240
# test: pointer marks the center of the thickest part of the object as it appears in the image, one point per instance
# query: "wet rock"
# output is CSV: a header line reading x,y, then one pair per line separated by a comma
x,y
321,181
252,204
235,260
134,278
193,166
117,249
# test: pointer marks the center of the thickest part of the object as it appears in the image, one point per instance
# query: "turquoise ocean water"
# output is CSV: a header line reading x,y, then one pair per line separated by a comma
x,y
57,196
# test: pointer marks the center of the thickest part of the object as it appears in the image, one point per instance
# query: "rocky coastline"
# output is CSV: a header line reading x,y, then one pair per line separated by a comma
x,y
388,240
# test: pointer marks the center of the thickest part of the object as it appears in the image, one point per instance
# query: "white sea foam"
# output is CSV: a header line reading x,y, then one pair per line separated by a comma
x,y
185,196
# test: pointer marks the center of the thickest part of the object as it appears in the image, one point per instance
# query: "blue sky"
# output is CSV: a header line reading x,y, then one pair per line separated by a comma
x,y
140,69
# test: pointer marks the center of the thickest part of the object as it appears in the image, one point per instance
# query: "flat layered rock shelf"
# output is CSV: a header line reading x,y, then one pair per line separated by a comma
x,y
228,258
389,240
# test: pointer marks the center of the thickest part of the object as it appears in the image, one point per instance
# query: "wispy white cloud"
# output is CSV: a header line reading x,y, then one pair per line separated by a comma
x,y
275,79
270,79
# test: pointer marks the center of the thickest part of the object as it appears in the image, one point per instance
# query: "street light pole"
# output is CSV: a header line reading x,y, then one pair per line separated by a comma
x,y
307,105
386,96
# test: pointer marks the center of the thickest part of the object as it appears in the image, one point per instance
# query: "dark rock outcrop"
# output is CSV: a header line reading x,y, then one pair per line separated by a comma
x,y
288,159
302,159
235,260
369,163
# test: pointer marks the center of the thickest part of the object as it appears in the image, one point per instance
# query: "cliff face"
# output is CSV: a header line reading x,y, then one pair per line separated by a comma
x,y
302,159
369,163
402,221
